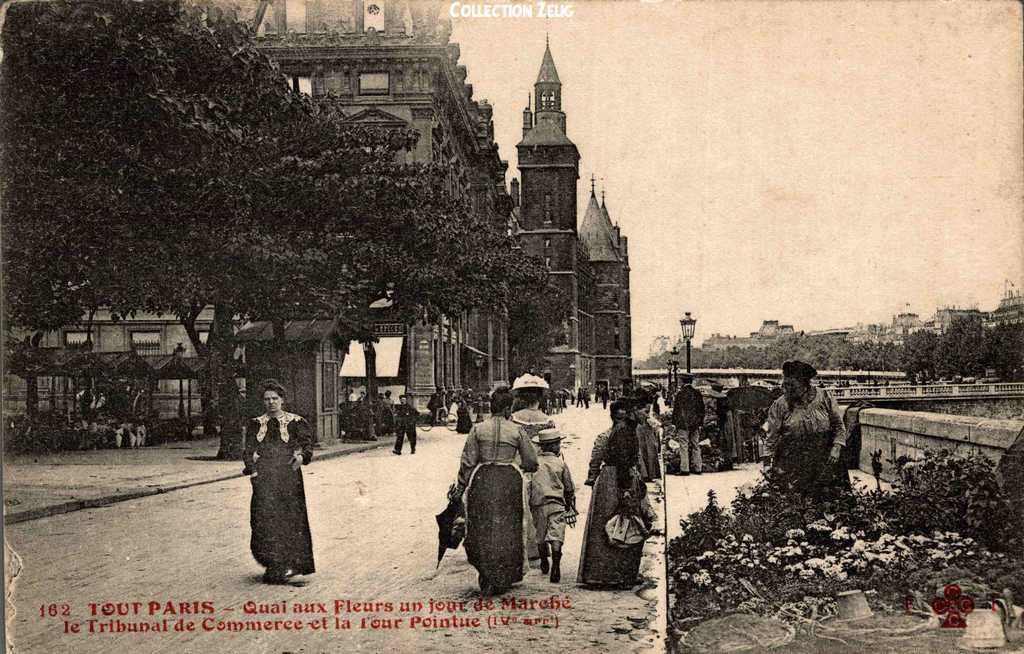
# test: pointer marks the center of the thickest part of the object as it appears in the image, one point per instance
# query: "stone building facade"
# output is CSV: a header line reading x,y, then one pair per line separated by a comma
x,y
389,63
589,262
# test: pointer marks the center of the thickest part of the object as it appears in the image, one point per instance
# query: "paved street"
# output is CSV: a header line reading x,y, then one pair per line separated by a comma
x,y
374,536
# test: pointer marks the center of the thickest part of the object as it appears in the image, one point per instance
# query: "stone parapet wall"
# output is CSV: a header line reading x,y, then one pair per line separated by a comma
x,y
911,433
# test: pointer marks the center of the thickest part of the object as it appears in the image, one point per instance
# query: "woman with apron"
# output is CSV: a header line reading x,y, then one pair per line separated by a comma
x,y
495,455
807,435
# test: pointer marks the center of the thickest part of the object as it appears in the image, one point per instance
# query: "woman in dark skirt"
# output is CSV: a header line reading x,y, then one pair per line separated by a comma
x,y
495,455
807,435
464,422
276,445
616,481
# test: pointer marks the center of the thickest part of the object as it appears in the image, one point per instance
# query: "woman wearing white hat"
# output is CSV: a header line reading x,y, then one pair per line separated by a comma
x,y
529,391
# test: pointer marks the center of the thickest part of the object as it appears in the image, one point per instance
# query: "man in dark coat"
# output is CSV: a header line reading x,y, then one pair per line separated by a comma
x,y
405,424
433,405
688,417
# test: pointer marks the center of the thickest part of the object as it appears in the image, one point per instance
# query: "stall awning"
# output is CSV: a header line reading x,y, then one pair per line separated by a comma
x,y
389,352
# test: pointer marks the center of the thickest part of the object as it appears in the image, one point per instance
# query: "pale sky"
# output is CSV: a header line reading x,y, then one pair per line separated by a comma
x,y
819,163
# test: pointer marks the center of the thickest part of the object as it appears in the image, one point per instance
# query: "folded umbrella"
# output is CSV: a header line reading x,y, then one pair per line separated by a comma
x,y
451,525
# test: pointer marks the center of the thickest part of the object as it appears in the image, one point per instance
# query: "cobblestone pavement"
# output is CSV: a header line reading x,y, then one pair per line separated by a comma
x,y
40,485
374,536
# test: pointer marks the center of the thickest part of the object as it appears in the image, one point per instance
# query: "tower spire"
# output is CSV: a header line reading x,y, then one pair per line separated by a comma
x,y
592,183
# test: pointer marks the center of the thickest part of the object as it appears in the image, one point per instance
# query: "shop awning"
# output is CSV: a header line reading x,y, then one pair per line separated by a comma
x,y
389,353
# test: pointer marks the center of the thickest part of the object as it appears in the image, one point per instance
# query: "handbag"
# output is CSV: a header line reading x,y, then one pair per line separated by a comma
x,y
625,530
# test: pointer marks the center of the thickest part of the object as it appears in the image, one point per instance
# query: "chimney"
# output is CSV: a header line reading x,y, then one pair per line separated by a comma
x,y
515,192
527,117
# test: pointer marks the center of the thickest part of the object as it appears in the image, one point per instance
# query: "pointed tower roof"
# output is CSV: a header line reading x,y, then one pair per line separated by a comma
x,y
597,233
548,73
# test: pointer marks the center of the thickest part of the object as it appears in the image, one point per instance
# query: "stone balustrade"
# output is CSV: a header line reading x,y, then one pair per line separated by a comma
x,y
929,391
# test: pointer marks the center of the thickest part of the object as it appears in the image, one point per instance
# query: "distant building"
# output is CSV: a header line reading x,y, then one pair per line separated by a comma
x,y
389,63
944,317
1010,310
659,346
769,332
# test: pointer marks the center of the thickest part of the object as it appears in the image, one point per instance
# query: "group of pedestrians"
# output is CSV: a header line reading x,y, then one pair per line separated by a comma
x,y
518,498
518,502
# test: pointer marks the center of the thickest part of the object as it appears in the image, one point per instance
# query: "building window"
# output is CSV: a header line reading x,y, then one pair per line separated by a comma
x,y
617,340
373,83
75,339
547,207
547,261
146,342
204,335
547,242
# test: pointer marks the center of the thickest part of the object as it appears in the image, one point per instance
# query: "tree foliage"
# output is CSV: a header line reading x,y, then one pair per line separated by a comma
x,y
159,162
536,324
966,348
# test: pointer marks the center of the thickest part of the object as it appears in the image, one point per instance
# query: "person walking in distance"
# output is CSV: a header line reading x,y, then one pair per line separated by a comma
x,y
405,424
688,417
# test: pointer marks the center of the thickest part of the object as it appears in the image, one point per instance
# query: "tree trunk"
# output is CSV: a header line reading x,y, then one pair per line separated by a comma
x,y
371,370
225,403
188,321
32,396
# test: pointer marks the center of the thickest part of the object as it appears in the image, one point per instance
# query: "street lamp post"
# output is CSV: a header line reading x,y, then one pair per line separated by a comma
x,y
688,324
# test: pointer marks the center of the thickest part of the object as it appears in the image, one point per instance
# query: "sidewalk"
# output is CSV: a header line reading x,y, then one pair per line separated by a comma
x,y
40,485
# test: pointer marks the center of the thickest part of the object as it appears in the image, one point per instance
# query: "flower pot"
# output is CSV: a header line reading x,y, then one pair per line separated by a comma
x,y
984,630
853,605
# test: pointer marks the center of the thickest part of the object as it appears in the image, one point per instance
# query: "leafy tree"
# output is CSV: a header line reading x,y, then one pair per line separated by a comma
x,y
1004,350
161,163
959,351
918,357
535,325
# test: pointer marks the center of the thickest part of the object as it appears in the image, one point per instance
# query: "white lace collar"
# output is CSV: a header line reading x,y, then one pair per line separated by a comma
x,y
283,421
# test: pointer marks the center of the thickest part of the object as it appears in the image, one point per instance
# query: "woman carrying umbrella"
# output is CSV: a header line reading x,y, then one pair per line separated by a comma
x,y
277,443
495,455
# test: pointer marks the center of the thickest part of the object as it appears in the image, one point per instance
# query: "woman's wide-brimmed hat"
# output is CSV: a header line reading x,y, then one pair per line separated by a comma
x,y
550,435
799,369
526,381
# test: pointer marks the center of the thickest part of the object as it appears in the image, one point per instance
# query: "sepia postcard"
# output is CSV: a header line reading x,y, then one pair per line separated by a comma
x,y
512,326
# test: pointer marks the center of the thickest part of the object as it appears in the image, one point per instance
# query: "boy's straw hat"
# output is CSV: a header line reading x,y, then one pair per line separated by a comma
x,y
550,435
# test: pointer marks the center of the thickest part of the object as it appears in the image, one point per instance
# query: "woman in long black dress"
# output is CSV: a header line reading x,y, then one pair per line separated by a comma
x,y
277,443
616,481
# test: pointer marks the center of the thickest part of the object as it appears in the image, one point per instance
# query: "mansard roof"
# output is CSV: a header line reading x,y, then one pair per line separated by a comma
x,y
548,73
596,231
